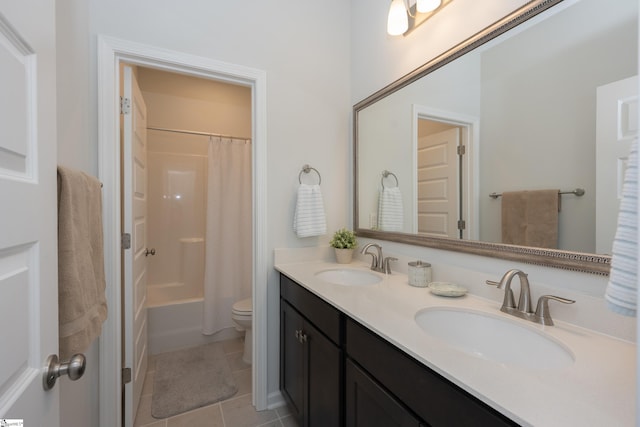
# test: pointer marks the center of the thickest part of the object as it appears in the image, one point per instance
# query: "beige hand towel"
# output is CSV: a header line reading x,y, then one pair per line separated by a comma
x,y
81,280
530,218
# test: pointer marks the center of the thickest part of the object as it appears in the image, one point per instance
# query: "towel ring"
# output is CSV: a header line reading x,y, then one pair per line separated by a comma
x,y
307,169
385,174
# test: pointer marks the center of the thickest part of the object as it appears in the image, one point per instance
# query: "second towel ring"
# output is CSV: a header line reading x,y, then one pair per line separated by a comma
x,y
307,169
385,174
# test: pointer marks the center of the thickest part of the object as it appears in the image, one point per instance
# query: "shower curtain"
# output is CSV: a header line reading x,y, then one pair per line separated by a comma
x,y
229,258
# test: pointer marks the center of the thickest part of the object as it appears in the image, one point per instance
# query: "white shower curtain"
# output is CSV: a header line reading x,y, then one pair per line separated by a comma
x,y
229,260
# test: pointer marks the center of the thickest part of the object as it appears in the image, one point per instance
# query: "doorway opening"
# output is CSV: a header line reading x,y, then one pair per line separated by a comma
x,y
111,53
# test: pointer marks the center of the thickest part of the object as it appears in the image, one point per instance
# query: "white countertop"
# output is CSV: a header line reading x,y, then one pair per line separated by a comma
x,y
598,389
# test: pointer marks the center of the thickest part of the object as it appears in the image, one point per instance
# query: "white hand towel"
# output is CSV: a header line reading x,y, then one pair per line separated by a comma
x,y
623,280
390,214
309,218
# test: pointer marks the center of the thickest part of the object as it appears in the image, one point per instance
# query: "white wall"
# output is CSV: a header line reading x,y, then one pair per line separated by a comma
x,y
304,49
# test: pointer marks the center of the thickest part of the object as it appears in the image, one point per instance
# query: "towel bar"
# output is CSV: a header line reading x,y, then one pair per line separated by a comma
x,y
307,169
578,192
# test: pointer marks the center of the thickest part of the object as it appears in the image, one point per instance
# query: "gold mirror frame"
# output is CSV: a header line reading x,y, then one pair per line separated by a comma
x,y
568,260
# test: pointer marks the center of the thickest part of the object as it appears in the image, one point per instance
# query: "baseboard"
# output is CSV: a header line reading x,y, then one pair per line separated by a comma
x,y
275,400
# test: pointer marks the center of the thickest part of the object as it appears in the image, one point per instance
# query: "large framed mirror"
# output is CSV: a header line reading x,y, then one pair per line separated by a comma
x,y
544,99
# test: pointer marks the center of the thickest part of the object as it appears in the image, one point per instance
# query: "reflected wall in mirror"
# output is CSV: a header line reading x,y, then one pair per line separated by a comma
x,y
548,104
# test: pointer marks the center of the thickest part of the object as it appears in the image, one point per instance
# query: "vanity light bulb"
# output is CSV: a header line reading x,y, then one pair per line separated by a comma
x,y
397,22
425,6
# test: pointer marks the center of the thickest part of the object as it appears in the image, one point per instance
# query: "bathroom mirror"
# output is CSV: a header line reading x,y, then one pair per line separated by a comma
x,y
521,96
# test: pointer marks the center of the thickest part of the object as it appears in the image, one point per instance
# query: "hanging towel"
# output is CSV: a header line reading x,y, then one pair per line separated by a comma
x,y
623,281
81,280
530,218
390,215
309,218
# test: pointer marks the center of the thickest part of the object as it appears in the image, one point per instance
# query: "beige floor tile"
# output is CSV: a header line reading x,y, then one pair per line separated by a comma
x,y
283,411
208,416
240,413
276,423
236,363
143,416
147,389
243,381
289,421
233,345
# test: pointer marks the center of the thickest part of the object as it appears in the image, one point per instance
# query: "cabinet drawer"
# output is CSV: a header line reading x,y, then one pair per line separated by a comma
x,y
432,397
321,314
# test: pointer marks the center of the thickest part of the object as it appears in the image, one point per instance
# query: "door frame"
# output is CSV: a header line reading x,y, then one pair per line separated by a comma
x,y
470,137
111,52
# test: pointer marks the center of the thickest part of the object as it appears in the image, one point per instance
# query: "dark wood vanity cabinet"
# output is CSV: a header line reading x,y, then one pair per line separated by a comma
x,y
336,372
311,359
431,397
368,404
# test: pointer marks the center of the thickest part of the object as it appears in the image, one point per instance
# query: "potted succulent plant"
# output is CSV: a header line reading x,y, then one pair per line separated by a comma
x,y
343,242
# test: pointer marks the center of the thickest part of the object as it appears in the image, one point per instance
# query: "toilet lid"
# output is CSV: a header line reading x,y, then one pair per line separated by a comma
x,y
243,306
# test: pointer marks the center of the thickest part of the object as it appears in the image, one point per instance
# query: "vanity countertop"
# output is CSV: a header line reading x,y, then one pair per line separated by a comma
x,y
598,389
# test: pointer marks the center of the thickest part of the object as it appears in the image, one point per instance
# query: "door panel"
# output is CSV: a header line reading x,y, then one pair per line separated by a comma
x,y
135,223
28,212
616,128
438,184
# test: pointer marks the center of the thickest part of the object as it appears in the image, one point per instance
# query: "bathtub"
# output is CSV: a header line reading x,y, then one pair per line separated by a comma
x,y
174,319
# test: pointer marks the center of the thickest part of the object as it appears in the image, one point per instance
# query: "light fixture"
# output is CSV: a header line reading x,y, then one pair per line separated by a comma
x,y
397,22
405,15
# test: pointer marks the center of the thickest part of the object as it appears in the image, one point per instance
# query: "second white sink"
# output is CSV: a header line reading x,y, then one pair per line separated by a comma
x,y
494,338
348,276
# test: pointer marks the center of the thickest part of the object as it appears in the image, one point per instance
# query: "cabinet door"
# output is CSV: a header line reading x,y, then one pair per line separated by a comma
x,y
292,360
323,366
369,405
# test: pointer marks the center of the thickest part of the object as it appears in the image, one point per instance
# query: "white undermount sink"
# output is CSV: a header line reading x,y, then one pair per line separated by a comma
x,y
348,277
495,338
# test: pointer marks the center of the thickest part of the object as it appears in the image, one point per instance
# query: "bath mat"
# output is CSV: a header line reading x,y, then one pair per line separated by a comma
x,y
189,379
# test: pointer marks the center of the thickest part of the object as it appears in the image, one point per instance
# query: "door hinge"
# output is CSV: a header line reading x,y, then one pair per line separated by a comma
x,y
126,375
125,105
462,224
461,150
126,241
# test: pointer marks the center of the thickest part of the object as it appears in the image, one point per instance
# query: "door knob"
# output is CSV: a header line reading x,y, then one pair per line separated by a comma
x,y
148,251
74,368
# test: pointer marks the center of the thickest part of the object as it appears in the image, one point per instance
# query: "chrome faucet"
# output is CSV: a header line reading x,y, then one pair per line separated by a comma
x,y
378,262
523,309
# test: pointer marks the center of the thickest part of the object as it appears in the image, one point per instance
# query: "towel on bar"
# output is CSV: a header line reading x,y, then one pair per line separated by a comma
x,y
622,289
390,214
81,280
309,218
530,218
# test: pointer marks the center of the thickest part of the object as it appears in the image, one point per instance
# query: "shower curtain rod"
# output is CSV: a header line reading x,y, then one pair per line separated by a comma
x,y
193,132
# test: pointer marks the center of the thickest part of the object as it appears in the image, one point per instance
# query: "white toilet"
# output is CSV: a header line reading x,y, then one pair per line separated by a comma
x,y
242,314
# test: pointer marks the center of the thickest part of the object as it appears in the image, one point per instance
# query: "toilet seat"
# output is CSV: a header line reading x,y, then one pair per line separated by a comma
x,y
243,307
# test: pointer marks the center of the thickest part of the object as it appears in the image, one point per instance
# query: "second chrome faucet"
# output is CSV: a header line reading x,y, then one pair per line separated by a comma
x,y
378,262
523,309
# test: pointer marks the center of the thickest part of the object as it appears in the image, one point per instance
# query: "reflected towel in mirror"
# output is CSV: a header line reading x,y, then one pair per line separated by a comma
x,y
390,211
530,218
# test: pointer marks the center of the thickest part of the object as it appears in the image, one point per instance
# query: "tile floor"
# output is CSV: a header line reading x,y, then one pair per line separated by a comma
x,y
236,411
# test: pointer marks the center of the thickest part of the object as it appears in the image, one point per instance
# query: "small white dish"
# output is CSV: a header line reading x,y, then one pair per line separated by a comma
x,y
447,289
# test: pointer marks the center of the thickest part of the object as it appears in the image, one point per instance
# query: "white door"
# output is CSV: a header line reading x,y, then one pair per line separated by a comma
x,y
616,127
438,184
28,211
135,224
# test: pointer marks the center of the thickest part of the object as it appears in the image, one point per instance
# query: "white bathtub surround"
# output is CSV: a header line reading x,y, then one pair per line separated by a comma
x,y
178,324
228,262
598,388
